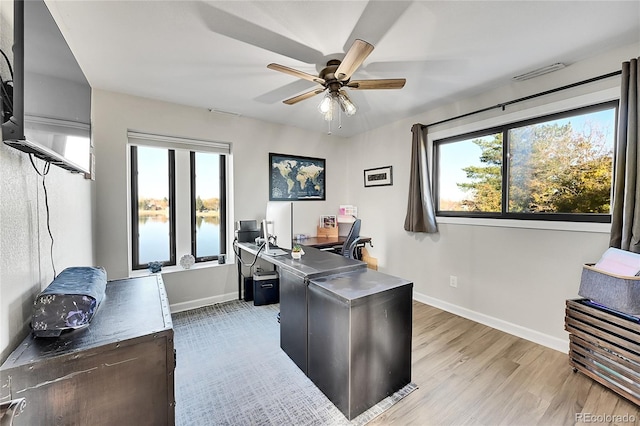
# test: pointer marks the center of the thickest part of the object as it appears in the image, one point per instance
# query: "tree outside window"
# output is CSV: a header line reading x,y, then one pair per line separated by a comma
x,y
554,166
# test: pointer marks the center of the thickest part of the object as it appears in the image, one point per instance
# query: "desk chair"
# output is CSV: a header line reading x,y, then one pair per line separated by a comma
x,y
350,244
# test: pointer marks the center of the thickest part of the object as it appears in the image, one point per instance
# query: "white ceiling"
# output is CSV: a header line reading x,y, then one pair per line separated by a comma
x,y
214,54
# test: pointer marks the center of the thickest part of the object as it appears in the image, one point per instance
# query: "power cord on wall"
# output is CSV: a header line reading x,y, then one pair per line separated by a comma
x,y
44,173
6,93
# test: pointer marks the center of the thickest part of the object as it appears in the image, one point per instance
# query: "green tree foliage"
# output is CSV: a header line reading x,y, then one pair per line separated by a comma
x,y
485,182
152,204
207,205
552,169
199,204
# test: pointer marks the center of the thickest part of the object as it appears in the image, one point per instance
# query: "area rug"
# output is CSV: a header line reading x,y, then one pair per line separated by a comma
x,y
231,371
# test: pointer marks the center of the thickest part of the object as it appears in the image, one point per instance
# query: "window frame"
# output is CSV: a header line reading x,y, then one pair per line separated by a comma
x,y
222,207
135,252
504,129
185,224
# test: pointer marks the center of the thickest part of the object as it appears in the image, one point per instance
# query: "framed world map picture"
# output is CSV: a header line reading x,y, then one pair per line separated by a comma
x,y
295,178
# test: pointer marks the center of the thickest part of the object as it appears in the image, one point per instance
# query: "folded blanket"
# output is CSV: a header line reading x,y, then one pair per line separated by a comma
x,y
69,302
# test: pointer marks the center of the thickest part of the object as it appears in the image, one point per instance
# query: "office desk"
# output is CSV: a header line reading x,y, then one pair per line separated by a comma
x,y
348,328
324,243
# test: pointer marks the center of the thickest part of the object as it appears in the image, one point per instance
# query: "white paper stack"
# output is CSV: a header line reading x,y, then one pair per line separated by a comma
x,y
619,262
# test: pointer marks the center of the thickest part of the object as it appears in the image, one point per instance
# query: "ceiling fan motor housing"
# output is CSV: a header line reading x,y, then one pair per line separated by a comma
x,y
328,75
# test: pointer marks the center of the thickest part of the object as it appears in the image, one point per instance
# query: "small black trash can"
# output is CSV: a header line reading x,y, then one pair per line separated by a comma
x,y
265,288
248,289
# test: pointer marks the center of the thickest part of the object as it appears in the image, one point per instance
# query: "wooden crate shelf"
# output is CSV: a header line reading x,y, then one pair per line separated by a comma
x,y
605,346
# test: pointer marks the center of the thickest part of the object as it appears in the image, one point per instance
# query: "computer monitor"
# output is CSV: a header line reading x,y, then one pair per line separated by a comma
x,y
279,223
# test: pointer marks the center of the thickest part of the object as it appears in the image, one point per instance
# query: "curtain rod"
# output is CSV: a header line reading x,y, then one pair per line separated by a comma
x,y
526,98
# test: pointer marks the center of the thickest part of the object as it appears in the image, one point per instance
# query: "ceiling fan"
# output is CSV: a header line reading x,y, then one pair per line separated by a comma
x,y
336,76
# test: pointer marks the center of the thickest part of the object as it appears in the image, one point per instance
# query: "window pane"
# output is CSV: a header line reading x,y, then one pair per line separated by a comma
x,y
153,205
207,204
470,175
563,165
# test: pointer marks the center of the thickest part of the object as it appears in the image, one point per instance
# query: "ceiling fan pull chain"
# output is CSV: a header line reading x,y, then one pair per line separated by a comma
x,y
339,118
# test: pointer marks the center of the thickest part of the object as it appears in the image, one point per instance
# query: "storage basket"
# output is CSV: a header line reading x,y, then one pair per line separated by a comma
x,y
612,291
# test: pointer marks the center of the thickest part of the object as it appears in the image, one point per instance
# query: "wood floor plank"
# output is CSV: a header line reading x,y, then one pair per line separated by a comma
x,y
471,374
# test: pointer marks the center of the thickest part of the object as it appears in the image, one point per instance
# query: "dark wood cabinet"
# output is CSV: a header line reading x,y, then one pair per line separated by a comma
x,y
118,370
605,345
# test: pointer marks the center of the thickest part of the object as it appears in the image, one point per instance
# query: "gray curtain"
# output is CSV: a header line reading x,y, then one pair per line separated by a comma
x,y
421,215
625,215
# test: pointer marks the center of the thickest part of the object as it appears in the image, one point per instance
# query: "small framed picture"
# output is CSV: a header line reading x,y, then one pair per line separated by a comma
x,y
328,221
381,176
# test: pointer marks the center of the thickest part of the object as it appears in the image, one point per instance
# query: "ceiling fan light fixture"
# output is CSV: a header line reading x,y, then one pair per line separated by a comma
x,y
328,116
336,75
325,105
346,104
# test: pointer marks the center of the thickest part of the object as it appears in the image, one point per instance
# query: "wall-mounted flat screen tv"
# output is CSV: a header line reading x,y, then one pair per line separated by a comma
x,y
50,113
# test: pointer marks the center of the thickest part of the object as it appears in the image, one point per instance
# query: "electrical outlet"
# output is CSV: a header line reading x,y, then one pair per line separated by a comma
x,y
453,281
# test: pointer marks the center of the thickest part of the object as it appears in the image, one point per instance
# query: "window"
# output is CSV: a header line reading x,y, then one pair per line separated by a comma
x,y
178,200
153,212
207,205
552,168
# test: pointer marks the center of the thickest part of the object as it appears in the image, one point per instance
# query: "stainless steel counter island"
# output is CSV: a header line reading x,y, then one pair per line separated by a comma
x,y
348,328
359,337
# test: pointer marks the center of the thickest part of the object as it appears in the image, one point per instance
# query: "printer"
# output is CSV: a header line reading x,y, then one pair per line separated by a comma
x,y
247,231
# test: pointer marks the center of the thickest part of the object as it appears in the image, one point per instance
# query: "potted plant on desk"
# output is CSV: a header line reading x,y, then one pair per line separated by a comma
x,y
297,252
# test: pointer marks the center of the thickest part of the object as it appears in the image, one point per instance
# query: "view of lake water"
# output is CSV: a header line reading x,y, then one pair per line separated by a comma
x,y
154,238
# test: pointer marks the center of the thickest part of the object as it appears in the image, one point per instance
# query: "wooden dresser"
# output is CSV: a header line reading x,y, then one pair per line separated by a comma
x,y
605,345
117,371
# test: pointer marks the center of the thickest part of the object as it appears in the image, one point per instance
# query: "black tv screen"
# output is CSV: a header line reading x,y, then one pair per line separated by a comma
x,y
51,105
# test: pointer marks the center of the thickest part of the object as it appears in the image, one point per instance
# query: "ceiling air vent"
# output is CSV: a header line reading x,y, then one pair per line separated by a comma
x,y
540,71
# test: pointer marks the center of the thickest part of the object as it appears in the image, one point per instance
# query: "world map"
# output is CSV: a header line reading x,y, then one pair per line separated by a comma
x,y
297,178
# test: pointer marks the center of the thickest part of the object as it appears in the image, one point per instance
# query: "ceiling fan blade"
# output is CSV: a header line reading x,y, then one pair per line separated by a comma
x,y
356,55
376,20
303,96
280,93
296,73
390,83
229,25
431,66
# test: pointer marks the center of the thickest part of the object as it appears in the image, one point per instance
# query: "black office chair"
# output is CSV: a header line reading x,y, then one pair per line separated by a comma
x,y
353,238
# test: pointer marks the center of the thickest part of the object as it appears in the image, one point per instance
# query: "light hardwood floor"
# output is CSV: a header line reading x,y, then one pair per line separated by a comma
x,y
471,374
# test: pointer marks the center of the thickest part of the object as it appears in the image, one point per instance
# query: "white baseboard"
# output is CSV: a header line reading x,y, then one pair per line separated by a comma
x,y
199,303
514,329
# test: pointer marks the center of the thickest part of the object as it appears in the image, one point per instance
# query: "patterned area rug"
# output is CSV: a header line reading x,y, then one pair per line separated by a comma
x,y
231,371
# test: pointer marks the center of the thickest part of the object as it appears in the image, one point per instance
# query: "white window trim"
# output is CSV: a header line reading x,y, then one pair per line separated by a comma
x,y
552,225
172,142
